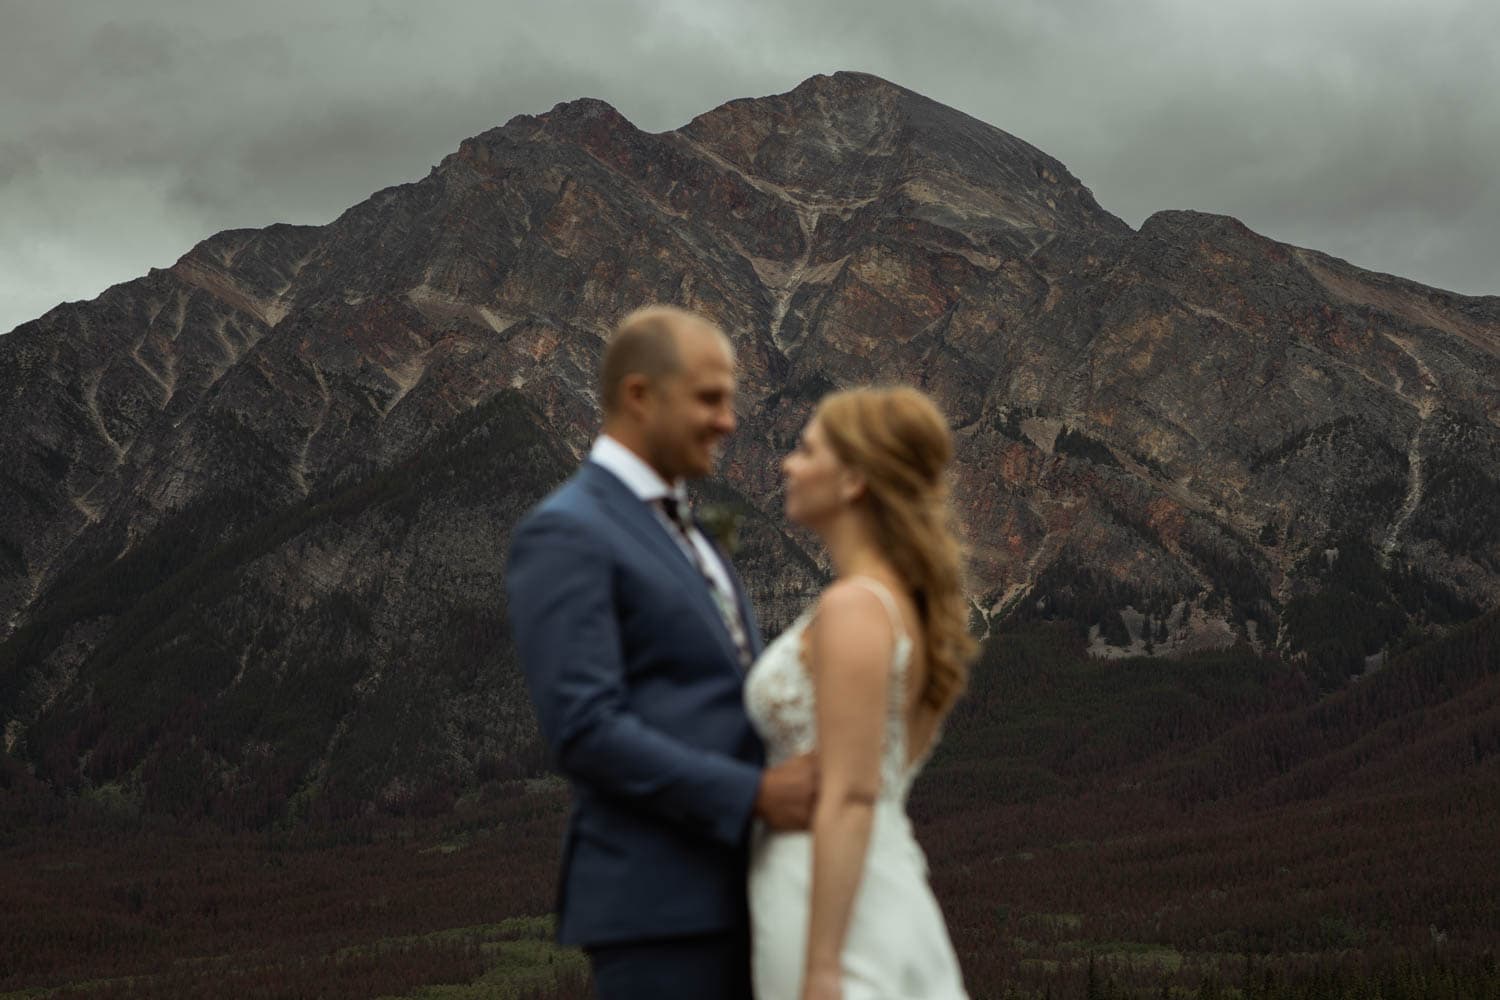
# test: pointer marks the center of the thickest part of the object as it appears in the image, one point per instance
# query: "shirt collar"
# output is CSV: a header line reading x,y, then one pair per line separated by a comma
x,y
632,470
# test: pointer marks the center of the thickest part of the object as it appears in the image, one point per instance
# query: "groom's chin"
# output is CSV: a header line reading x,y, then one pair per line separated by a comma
x,y
709,463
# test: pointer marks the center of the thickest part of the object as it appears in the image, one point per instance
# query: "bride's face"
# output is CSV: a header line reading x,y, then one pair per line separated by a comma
x,y
818,485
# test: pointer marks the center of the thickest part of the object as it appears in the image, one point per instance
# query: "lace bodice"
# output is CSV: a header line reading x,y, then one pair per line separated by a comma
x,y
781,700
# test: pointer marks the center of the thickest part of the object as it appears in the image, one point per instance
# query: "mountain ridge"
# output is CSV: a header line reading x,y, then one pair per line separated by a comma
x,y
1161,433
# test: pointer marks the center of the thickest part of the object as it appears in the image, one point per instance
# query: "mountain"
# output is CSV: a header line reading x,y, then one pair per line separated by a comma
x,y
254,507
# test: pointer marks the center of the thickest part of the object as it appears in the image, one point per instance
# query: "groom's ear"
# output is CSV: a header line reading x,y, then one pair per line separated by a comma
x,y
634,390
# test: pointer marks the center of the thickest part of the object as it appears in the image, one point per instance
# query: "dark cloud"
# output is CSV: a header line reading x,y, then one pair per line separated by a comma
x,y
130,132
16,162
132,51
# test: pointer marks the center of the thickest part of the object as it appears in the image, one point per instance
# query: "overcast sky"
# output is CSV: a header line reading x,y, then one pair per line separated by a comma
x,y
130,131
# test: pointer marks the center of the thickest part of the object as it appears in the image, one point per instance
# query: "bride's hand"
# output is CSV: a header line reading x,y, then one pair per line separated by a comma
x,y
823,986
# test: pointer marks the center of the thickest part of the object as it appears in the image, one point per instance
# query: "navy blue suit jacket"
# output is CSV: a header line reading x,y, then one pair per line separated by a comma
x,y
638,690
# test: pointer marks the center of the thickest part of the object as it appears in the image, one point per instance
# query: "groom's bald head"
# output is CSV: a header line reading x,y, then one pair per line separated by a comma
x,y
648,342
667,387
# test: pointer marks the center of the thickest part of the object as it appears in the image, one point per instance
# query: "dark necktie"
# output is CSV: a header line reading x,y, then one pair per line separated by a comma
x,y
677,513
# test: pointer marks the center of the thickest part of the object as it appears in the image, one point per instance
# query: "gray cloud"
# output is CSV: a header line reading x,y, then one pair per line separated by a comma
x,y
130,132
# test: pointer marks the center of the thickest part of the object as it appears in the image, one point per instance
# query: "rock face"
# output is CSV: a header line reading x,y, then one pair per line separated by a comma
x,y
254,507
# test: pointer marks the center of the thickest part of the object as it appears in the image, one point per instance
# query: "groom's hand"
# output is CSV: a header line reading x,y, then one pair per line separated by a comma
x,y
788,793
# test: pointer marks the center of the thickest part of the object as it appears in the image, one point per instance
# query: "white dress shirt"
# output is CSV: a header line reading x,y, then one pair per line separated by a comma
x,y
649,486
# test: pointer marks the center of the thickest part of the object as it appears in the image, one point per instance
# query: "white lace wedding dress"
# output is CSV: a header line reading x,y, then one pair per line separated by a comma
x,y
897,944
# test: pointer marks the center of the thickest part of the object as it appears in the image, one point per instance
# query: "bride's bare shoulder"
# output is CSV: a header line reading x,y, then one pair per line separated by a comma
x,y
848,598
849,618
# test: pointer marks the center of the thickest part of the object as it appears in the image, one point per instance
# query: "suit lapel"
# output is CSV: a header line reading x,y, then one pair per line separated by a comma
x,y
636,516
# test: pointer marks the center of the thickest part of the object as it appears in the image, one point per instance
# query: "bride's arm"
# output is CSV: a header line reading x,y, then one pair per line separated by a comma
x,y
851,644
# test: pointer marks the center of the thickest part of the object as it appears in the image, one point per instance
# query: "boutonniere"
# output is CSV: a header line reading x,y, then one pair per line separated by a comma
x,y
722,522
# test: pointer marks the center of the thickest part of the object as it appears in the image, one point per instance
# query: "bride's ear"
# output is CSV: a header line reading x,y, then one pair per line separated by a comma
x,y
852,485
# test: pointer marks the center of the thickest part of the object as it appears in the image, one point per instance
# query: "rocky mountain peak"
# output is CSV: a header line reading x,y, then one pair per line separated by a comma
x,y
261,499
856,136
584,118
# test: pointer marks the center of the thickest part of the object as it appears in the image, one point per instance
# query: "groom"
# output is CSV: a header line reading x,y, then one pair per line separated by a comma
x,y
634,635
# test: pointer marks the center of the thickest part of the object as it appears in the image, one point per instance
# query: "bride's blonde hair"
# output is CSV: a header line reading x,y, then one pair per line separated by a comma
x,y
899,441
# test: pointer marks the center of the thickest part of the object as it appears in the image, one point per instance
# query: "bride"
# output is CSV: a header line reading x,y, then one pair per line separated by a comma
x,y
865,677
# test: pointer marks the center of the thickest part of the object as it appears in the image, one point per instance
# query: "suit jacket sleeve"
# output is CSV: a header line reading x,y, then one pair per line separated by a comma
x,y
563,617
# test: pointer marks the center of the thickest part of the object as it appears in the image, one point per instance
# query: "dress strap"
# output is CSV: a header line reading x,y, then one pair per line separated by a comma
x,y
883,592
